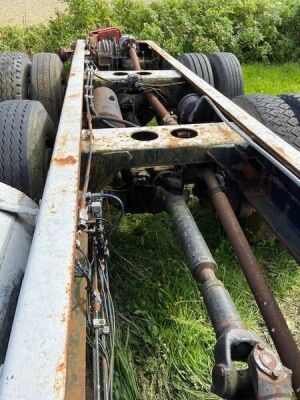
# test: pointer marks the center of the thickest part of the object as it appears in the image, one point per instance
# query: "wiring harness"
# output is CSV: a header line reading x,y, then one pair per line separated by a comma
x,y
100,307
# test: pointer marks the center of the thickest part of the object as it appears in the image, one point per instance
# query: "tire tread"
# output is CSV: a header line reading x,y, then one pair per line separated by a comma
x,y
227,73
14,74
274,113
46,83
199,64
24,129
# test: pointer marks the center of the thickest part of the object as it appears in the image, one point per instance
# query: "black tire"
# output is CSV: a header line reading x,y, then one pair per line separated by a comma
x,y
228,75
275,114
293,100
26,140
199,64
47,83
14,76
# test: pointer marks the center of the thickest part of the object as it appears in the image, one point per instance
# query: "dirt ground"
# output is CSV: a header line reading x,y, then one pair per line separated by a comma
x,y
28,12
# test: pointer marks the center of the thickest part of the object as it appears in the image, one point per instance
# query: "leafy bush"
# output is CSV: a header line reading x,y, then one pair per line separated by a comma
x,y
253,29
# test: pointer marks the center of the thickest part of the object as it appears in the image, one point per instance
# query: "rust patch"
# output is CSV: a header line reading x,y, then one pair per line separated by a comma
x,y
281,152
60,370
71,96
69,160
292,166
61,366
278,182
68,289
63,140
248,170
76,350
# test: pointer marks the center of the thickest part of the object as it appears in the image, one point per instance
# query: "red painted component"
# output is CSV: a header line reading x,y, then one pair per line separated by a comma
x,y
104,33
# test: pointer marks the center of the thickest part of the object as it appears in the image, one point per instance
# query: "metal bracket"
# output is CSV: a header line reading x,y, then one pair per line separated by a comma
x,y
265,375
271,380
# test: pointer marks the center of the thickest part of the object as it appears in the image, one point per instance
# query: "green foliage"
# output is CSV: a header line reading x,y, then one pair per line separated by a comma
x,y
253,29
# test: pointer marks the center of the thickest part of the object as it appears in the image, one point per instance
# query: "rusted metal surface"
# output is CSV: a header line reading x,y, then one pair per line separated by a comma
x,y
160,109
106,103
156,77
234,341
159,137
154,102
281,150
35,366
221,308
284,222
76,357
76,352
134,58
115,149
276,324
86,179
276,199
271,380
64,53
266,377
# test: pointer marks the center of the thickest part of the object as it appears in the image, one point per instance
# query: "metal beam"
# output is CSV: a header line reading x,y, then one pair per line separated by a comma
x,y
261,134
35,366
76,353
157,77
114,149
275,198
162,137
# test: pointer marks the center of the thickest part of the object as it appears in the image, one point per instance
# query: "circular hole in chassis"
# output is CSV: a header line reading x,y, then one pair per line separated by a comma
x,y
144,136
144,73
184,133
120,73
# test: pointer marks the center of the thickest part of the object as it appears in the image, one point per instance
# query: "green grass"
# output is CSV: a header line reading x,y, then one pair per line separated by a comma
x,y
165,340
272,78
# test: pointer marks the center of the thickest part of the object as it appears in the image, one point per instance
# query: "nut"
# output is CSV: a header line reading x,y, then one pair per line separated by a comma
x,y
261,346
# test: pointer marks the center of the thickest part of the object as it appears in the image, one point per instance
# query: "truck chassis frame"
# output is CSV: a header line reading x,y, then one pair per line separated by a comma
x,y
41,362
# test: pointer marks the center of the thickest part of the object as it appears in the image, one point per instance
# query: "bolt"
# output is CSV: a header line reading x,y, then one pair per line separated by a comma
x,y
219,370
275,374
219,384
261,346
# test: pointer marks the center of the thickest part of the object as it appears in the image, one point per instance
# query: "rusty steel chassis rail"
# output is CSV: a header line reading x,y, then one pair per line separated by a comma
x,y
39,357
